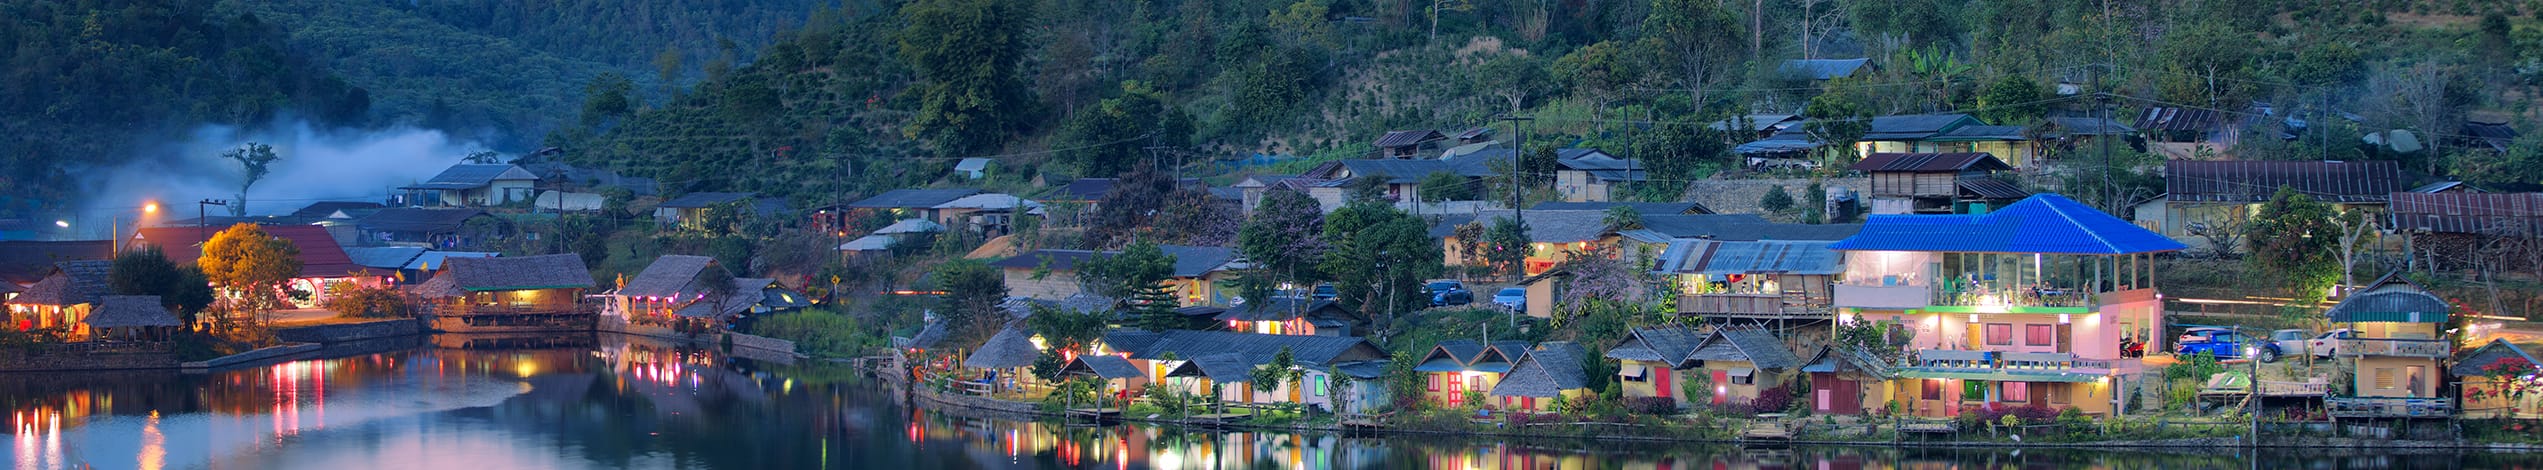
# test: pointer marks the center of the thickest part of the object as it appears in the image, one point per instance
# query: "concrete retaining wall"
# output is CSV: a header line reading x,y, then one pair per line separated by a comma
x,y
930,395
339,333
1740,196
88,356
276,352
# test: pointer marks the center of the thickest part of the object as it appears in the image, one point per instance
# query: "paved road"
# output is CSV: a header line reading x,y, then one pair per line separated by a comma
x,y
300,315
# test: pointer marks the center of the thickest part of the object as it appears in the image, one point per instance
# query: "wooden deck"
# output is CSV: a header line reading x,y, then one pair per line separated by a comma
x,y
1095,414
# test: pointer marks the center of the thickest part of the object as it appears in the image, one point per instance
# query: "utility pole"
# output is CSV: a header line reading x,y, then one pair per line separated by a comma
x,y
1518,165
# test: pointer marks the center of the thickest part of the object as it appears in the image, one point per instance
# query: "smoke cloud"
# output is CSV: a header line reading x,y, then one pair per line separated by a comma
x,y
316,165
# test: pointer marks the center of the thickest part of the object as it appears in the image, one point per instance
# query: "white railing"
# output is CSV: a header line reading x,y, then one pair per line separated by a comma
x,y
2427,348
1996,360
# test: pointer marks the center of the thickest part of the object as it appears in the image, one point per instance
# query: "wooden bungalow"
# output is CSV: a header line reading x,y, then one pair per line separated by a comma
x,y
1846,381
1936,183
1288,316
131,318
1752,280
655,294
1549,373
1742,363
2398,351
63,300
2221,195
1650,360
509,294
1182,359
1457,371
1003,358
2484,376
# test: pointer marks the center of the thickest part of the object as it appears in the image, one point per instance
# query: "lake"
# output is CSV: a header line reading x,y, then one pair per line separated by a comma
x,y
610,401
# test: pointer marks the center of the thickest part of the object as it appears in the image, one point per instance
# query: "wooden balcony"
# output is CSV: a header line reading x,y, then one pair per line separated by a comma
x,y
1751,306
2417,348
2002,361
2383,407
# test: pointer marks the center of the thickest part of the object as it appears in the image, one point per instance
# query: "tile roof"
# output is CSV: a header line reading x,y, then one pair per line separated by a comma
x,y
1746,344
1642,208
913,198
120,311
1408,138
1929,162
1750,257
1011,348
668,276
2256,181
1822,69
24,262
558,271
1102,366
71,283
2460,212
1545,372
418,219
2043,223
320,257
701,200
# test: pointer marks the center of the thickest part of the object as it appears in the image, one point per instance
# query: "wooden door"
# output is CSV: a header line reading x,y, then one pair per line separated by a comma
x,y
1720,380
1660,386
2065,338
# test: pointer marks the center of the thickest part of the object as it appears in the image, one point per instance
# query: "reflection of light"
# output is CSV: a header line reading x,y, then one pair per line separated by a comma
x,y
525,368
154,446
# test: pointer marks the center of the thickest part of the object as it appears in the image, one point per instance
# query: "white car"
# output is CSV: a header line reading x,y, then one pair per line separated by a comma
x,y
2328,343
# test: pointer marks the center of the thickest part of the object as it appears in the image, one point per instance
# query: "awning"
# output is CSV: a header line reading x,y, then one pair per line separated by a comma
x,y
1743,372
1633,371
1998,376
1493,367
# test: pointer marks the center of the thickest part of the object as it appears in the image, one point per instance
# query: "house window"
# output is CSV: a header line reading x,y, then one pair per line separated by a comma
x,y
1318,382
1934,389
1474,382
2411,378
1973,391
2014,392
1743,377
2384,378
2057,395
2039,335
1434,382
2000,334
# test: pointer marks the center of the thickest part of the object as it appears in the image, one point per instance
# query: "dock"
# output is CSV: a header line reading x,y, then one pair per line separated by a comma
x,y
1099,415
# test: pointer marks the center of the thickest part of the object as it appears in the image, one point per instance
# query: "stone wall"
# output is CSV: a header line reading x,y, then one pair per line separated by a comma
x,y
930,395
338,333
261,354
88,356
1740,196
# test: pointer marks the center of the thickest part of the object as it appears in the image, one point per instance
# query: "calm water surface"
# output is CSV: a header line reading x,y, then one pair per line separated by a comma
x,y
476,403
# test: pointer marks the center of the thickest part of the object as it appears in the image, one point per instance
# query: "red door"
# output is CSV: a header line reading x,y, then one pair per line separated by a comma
x,y
1660,381
1721,381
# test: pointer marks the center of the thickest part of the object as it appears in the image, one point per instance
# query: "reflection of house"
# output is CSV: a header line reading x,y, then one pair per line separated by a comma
x,y
2024,305
469,185
1549,372
1755,280
323,263
2399,351
527,293
1592,175
62,300
1937,183
1650,360
1459,371
1193,361
1742,363
2486,373
431,228
2220,195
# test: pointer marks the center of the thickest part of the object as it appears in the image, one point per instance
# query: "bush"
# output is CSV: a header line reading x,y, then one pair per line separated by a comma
x,y
1660,406
1773,400
819,333
368,302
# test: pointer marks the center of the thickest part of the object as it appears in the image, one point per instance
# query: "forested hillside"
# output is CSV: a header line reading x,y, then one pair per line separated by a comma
x,y
872,98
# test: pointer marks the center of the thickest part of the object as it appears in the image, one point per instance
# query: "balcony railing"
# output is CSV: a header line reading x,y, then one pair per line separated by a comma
x,y
2008,361
1749,305
2383,407
2421,348
1982,295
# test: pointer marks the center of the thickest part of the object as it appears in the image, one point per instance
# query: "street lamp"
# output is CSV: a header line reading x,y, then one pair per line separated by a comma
x,y
2251,355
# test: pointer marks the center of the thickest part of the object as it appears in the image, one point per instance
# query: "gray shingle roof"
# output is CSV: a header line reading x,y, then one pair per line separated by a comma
x,y
913,198
1131,340
72,283
1197,261
1223,368
25,262
1744,344
1011,348
2471,364
475,176
1307,350
119,311
1545,372
1847,360
668,276
558,271
1102,366
1658,344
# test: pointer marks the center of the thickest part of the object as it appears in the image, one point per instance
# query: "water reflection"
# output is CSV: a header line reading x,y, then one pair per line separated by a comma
x,y
616,402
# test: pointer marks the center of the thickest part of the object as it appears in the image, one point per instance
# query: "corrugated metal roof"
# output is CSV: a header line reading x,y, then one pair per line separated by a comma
x,y
1992,188
2257,181
2178,119
2391,299
2461,212
912,198
1752,257
2042,223
1408,138
1929,162
1915,126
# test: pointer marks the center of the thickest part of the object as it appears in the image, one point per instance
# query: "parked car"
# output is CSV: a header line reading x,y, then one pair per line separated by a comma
x,y
1512,297
1448,292
2220,342
2283,342
2328,343
1324,292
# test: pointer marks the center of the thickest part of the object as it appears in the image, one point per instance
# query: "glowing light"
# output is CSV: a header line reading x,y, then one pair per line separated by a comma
x,y
62,224
2064,318
525,369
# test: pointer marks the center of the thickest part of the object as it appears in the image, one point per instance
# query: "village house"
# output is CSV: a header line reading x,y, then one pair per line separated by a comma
x,y
1754,281
2061,137
2488,376
1549,373
1946,133
690,210
1589,175
509,294
1408,144
1459,371
1937,183
1789,148
1552,236
2178,133
1195,361
1741,363
2026,305
428,227
1400,178
990,214
972,168
1053,274
1639,208
412,264
130,318
1649,361
474,185
654,295
1285,315
2200,196
22,263
900,204
323,263
2449,231
63,300
1749,127
2398,350
1845,380
2494,137
567,177
1252,188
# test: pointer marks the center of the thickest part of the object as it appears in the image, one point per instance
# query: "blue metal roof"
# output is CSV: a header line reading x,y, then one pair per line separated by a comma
x,y
2042,223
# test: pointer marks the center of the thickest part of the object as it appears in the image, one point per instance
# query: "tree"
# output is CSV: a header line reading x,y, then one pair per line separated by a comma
x,y
1285,240
249,266
2013,100
1282,370
1138,275
967,54
1506,245
1622,218
1776,200
1379,259
2355,229
1601,72
1514,78
486,157
256,159
1067,329
2294,235
969,308
608,96
1109,137
1701,39
1814,204
1131,206
1444,186
147,271
1838,119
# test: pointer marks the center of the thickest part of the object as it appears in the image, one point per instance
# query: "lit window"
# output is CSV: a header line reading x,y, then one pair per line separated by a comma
x,y
2039,335
2015,392
1999,334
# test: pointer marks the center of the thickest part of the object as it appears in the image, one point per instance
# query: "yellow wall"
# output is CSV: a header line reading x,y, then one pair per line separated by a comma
x,y
2385,376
